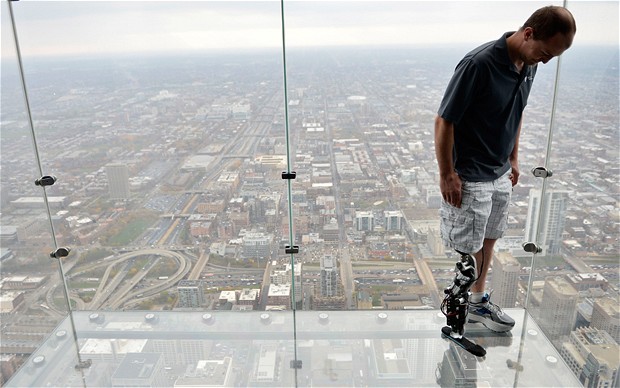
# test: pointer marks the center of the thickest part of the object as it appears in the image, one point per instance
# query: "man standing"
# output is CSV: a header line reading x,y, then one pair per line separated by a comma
x,y
477,139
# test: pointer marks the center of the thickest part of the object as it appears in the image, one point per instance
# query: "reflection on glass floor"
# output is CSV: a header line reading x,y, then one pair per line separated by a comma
x,y
334,348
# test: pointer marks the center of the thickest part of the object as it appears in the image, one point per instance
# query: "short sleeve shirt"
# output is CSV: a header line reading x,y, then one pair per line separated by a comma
x,y
485,100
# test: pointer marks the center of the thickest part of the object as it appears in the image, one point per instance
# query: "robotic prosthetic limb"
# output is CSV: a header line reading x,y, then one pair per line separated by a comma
x,y
455,303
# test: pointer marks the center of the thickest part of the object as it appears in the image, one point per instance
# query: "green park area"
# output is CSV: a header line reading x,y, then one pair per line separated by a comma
x,y
129,229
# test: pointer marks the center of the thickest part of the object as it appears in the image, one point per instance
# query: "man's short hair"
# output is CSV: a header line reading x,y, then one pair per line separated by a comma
x,y
548,21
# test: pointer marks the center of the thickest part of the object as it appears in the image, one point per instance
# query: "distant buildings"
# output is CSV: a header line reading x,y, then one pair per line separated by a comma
x,y
593,356
549,237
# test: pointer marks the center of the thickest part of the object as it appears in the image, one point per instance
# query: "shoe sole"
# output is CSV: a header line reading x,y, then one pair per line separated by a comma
x,y
490,324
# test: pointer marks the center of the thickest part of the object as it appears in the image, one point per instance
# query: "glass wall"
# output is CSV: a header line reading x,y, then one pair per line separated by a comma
x,y
169,126
574,219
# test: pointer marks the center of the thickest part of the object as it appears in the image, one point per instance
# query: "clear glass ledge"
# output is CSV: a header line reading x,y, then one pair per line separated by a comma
x,y
334,348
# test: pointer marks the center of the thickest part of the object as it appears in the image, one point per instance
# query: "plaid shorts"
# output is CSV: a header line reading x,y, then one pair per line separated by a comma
x,y
483,214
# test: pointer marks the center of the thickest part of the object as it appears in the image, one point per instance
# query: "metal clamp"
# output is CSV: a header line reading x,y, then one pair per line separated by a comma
x,y
541,172
291,249
289,175
46,180
60,252
531,247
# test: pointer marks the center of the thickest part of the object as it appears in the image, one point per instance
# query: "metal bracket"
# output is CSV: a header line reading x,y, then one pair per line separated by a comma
x,y
531,247
291,249
46,180
289,175
541,172
296,364
60,252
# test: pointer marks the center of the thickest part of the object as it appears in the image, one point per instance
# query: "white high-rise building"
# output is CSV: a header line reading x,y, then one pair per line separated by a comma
x,y
329,276
118,180
505,279
558,307
549,237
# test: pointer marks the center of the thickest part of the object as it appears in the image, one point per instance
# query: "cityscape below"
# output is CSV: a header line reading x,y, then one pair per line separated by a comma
x,y
193,184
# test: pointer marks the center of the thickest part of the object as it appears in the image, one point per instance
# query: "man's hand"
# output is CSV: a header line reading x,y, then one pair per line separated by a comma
x,y
450,186
514,176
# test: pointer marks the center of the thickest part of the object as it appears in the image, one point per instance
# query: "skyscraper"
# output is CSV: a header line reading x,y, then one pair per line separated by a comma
x,y
118,180
330,295
505,279
559,304
549,237
393,219
329,276
606,316
365,221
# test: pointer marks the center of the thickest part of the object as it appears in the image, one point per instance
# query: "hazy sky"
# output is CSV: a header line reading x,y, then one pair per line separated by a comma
x,y
67,27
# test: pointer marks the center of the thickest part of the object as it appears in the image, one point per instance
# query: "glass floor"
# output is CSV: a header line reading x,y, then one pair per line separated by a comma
x,y
257,348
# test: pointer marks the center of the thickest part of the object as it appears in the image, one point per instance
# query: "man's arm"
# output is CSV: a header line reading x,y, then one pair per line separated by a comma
x,y
449,181
514,157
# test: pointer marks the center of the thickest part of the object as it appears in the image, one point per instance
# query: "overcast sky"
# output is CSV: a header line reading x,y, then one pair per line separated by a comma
x,y
70,27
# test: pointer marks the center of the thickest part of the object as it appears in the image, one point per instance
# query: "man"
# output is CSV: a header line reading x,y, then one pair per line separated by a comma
x,y
477,139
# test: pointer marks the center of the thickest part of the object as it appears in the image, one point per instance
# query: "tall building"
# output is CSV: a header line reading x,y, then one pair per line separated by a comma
x,y
553,216
191,293
606,316
118,180
422,368
593,356
329,276
505,279
365,221
558,307
330,294
393,219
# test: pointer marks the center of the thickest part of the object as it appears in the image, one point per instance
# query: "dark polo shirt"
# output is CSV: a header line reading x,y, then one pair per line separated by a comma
x,y
485,100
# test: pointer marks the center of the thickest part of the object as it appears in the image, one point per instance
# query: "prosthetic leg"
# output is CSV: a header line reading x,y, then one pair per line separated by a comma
x,y
455,303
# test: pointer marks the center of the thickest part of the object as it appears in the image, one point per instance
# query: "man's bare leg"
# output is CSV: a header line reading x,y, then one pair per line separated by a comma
x,y
483,263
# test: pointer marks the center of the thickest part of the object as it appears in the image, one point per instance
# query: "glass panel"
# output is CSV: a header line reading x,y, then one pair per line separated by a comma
x,y
575,298
163,123
33,301
362,100
338,348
